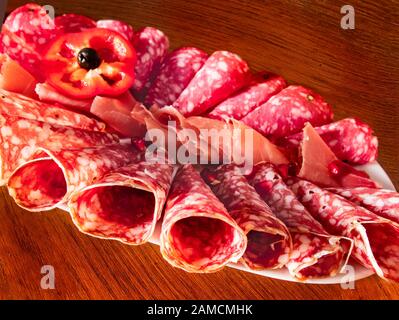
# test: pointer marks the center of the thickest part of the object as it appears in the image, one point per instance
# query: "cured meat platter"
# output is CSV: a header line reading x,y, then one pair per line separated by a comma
x,y
377,173
218,164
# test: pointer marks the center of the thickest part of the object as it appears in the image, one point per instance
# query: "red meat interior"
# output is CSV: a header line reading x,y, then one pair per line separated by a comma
x,y
198,240
39,184
117,209
384,242
264,249
325,266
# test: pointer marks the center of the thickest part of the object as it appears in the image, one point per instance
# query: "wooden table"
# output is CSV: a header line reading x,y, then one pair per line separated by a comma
x,y
356,70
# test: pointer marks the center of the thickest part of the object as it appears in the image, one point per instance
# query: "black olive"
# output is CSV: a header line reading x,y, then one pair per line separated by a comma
x,y
88,58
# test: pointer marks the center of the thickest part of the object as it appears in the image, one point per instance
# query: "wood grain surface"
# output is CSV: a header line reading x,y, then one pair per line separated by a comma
x,y
355,70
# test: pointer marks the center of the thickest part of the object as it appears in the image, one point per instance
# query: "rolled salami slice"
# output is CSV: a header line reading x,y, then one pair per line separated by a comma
x,y
288,111
376,239
262,87
125,204
315,252
179,67
350,139
222,74
382,202
51,176
123,28
19,138
269,242
15,104
198,235
151,46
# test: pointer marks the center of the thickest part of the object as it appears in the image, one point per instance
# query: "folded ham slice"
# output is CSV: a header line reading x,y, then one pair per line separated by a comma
x,y
198,235
125,204
321,166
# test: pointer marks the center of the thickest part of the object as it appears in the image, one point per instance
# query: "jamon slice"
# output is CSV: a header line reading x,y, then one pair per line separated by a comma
x,y
321,166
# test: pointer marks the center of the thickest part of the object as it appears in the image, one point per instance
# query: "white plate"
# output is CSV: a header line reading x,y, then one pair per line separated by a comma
x,y
354,272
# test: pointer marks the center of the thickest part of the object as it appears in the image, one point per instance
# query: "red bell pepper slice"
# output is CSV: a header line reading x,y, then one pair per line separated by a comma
x,y
111,74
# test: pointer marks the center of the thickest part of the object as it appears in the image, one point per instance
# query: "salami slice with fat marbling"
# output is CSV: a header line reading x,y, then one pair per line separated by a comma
x,y
315,252
151,46
19,138
121,27
125,204
51,177
382,202
179,67
269,242
71,23
350,139
21,52
376,239
26,32
15,104
262,87
222,75
198,235
287,112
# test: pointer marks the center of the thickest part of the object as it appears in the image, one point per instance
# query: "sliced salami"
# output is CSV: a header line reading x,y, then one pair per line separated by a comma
x,y
123,28
20,137
15,104
222,75
26,32
151,46
32,24
269,242
52,176
382,202
21,52
262,87
288,111
315,252
198,235
179,67
125,204
70,23
376,239
350,139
